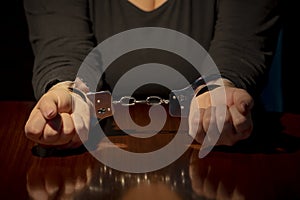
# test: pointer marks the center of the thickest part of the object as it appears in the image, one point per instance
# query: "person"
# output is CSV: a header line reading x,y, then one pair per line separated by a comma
x,y
240,36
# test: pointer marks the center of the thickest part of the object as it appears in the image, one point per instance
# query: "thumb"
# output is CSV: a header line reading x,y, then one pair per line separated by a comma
x,y
55,101
243,101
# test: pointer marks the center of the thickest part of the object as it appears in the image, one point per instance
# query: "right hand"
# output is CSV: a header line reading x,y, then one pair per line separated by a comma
x,y
60,118
237,119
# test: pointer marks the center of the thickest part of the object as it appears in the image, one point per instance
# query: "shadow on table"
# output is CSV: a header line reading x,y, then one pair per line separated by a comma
x,y
269,136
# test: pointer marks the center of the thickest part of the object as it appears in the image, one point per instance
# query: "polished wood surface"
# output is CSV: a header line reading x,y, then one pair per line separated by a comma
x,y
267,166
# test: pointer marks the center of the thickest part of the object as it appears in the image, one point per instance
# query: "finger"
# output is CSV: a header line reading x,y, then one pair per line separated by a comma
x,y
211,128
198,126
34,126
60,132
243,101
204,100
215,133
81,126
242,124
228,132
74,131
68,129
208,118
196,114
218,96
221,116
48,106
55,101
194,118
52,131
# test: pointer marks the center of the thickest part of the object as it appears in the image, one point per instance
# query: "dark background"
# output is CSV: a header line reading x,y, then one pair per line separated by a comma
x,y
17,57
16,53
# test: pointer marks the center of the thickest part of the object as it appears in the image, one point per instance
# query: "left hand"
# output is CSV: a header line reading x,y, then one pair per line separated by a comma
x,y
238,123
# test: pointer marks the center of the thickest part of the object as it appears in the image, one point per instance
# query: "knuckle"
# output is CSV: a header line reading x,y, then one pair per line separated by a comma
x,y
32,132
69,130
240,120
50,136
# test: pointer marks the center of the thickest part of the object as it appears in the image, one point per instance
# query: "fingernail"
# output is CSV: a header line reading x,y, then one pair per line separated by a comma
x,y
49,113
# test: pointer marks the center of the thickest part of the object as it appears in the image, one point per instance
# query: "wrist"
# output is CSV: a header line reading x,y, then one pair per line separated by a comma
x,y
213,84
62,85
228,83
81,85
71,87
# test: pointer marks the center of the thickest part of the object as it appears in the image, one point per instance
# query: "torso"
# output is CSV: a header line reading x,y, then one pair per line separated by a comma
x,y
189,17
194,18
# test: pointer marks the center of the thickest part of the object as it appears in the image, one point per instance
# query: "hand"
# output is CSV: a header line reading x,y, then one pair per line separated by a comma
x,y
237,119
60,118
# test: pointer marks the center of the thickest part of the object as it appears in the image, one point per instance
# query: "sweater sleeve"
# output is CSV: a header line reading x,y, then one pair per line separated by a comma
x,y
61,36
245,39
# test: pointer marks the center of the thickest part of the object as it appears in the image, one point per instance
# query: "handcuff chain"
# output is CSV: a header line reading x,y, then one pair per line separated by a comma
x,y
131,101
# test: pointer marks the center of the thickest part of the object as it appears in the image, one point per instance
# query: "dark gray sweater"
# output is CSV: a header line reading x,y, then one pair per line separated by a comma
x,y
240,35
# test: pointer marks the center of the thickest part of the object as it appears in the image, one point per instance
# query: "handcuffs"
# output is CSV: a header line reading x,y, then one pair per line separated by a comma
x,y
178,103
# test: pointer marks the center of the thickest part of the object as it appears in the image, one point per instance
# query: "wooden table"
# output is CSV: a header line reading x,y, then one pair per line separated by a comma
x,y
267,166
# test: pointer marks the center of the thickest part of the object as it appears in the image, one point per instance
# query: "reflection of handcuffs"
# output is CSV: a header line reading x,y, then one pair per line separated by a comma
x,y
179,100
177,179
178,103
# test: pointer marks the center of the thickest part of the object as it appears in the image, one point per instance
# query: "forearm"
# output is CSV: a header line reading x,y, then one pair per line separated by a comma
x,y
61,37
245,40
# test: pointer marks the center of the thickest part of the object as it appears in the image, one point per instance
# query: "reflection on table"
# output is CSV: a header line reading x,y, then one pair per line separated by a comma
x,y
263,167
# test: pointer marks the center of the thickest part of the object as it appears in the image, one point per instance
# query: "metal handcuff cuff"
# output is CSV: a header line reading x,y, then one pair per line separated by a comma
x,y
179,100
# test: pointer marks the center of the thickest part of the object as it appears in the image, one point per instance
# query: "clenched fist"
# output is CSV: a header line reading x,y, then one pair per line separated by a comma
x,y
60,118
234,112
